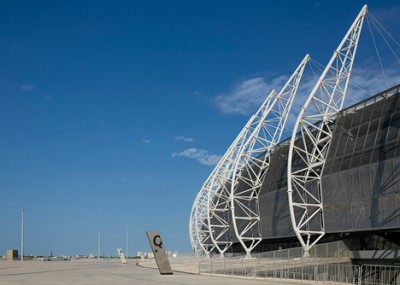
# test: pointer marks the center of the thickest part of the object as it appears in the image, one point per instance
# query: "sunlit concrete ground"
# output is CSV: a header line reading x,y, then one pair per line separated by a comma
x,y
103,272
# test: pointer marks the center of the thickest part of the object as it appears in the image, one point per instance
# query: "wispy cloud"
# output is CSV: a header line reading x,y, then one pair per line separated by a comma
x,y
368,81
184,139
196,93
365,81
200,155
305,87
247,96
28,87
367,78
144,140
47,96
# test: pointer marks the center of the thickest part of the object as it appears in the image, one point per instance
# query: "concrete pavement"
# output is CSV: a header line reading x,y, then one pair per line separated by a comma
x,y
87,272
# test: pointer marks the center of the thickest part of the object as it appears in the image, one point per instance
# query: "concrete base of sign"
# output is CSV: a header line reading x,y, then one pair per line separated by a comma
x,y
159,252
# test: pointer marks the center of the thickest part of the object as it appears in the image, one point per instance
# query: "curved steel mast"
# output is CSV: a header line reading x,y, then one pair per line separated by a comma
x,y
254,160
218,212
311,138
195,225
200,231
198,224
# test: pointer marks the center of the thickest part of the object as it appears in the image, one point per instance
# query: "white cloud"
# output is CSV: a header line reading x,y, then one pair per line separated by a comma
x,y
196,93
200,155
248,95
184,139
364,82
46,96
145,140
368,81
28,87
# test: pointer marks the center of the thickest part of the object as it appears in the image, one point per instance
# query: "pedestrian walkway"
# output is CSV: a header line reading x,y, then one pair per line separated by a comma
x,y
87,272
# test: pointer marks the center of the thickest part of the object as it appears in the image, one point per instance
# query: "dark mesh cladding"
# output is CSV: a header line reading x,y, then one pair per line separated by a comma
x,y
361,181
273,202
366,150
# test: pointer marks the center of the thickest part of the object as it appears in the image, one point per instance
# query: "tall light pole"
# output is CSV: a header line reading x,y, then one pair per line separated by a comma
x,y
22,235
98,246
126,245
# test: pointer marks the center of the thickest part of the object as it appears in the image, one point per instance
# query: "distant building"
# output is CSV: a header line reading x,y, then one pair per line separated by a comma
x,y
12,254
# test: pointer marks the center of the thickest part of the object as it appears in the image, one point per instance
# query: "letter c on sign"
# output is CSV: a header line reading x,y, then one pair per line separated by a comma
x,y
157,241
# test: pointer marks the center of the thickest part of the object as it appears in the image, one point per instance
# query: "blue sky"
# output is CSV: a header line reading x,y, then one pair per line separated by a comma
x,y
115,112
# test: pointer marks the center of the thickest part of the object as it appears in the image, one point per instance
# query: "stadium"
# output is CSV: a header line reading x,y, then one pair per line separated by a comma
x,y
334,179
360,181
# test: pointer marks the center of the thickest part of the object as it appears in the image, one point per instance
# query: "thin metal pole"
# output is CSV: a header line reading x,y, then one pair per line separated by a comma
x,y
126,246
22,235
98,246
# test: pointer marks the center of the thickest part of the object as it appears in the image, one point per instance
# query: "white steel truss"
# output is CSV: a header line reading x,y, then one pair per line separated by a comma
x,y
218,211
254,160
195,226
311,138
200,231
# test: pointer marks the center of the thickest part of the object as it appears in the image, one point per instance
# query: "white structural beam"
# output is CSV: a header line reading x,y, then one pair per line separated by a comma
x,y
201,223
218,214
311,139
254,160
195,225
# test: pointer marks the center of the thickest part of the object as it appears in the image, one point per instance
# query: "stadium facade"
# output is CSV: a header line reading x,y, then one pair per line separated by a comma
x,y
335,178
361,180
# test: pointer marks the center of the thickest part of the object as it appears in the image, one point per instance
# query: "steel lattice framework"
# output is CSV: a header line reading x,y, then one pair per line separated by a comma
x,y
219,206
254,160
218,209
311,139
199,228
198,224
204,219
199,209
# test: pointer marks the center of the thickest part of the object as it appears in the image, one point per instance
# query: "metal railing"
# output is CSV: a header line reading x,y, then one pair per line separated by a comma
x,y
334,273
296,269
379,275
333,249
256,268
328,263
336,249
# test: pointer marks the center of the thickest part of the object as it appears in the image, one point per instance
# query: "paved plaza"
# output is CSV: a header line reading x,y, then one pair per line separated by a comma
x,y
87,272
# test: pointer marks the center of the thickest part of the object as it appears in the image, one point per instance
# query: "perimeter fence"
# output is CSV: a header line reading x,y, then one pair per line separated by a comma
x,y
306,270
329,263
336,249
342,273
379,275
